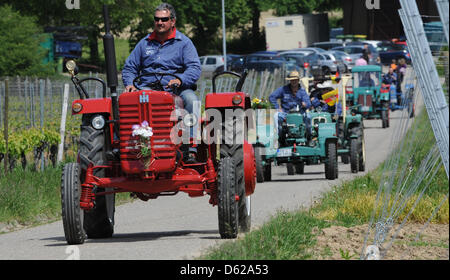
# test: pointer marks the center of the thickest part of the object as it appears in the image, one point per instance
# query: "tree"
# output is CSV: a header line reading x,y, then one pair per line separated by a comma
x,y
20,51
292,7
90,15
204,18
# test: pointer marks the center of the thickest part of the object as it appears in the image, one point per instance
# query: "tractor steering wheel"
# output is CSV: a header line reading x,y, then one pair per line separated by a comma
x,y
156,85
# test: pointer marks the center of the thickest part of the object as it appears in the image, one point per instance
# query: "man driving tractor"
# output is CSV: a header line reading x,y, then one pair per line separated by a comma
x,y
166,50
290,96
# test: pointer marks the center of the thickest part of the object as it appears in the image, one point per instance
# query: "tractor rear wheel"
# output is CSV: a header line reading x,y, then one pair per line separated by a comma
x,y
234,134
354,155
411,108
300,168
362,153
227,202
72,214
385,115
98,222
259,167
331,165
290,168
268,172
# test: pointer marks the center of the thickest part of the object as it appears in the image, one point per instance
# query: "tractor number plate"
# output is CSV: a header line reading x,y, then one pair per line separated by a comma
x,y
365,108
284,153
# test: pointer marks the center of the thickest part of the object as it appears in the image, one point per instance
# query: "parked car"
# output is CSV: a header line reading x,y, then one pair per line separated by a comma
x,y
269,60
261,61
389,51
327,45
298,59
209,63
356,51
345,58
375,56
340,65
325,64
230,59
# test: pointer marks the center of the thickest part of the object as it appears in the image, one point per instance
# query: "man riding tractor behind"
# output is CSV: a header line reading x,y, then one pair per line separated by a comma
x,y
291,96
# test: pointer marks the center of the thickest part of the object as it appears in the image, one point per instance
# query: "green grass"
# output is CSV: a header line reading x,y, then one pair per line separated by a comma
x,y
31,198
286,236
293,235
28,197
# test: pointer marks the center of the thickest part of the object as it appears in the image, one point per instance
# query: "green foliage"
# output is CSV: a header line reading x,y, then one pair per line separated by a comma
x,y
286,236
205,18
292,7
25,141
20,50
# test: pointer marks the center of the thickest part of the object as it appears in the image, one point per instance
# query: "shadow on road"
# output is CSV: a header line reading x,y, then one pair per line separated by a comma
x,y
140,236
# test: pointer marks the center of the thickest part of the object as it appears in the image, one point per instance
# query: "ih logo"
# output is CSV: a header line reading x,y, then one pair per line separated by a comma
x,y
143,98
373,4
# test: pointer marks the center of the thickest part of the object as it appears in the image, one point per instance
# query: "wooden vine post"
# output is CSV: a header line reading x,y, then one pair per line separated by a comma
x,y
5,127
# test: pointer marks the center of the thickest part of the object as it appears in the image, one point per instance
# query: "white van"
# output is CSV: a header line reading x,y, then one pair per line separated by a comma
x,y
210,63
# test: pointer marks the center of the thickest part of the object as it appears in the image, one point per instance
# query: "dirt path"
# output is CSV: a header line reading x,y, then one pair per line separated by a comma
x,y
338,243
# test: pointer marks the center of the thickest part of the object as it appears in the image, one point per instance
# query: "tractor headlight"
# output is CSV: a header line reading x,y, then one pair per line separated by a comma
x,y
237,99
77,107
98,122
190,120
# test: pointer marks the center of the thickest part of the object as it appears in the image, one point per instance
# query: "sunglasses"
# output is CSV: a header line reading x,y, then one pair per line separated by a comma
x,y
163,19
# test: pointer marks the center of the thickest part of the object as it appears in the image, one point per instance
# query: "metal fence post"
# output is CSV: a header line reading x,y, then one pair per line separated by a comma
x,y
428,77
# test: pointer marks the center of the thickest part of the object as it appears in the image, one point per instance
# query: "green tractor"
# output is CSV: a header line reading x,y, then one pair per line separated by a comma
x,y
370,100
351,146
295,148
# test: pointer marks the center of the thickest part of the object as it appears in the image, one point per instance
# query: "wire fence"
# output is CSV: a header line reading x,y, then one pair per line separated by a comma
x,y
406,179
28,94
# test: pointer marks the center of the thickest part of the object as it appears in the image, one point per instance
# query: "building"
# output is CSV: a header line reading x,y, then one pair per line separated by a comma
x,y
295,31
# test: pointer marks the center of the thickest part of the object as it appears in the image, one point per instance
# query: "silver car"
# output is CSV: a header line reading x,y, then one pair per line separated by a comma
x,y
327,64
209,64
356,51
344,58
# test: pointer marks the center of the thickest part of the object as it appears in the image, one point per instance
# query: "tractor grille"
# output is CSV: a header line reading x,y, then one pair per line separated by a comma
x,y
156,110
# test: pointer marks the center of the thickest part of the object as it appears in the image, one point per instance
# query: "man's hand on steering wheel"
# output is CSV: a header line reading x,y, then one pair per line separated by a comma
x,y
174,83
130,88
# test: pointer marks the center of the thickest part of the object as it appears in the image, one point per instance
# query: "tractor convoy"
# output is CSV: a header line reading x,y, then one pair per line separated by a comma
x,y
134,142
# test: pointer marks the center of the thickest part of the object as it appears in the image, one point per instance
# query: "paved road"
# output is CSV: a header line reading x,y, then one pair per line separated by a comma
x,y
180,227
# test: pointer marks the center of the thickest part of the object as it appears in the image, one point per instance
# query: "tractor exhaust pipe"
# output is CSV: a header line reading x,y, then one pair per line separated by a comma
x,y
111,69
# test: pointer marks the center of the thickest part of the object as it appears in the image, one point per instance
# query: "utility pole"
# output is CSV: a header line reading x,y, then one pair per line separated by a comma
x,y
224,38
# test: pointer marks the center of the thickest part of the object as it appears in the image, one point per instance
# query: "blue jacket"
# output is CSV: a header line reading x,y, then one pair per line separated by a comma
x,y
288,100
390,79
176,56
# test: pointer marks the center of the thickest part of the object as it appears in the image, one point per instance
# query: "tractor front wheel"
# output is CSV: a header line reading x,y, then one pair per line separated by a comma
x,y
331,164
72,214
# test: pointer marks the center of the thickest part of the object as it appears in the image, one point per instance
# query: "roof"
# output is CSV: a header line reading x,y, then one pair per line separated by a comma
x,y
366,68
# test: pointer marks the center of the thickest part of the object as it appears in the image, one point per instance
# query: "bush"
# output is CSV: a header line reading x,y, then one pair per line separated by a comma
x,y
20,50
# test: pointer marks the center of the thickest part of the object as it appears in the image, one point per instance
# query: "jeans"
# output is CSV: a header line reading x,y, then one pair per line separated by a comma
x,y
280,117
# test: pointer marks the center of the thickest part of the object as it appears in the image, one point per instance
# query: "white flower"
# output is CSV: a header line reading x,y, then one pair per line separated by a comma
x,y
142,130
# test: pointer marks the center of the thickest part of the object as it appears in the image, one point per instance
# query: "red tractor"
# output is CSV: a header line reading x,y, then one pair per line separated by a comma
x,y
111,159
